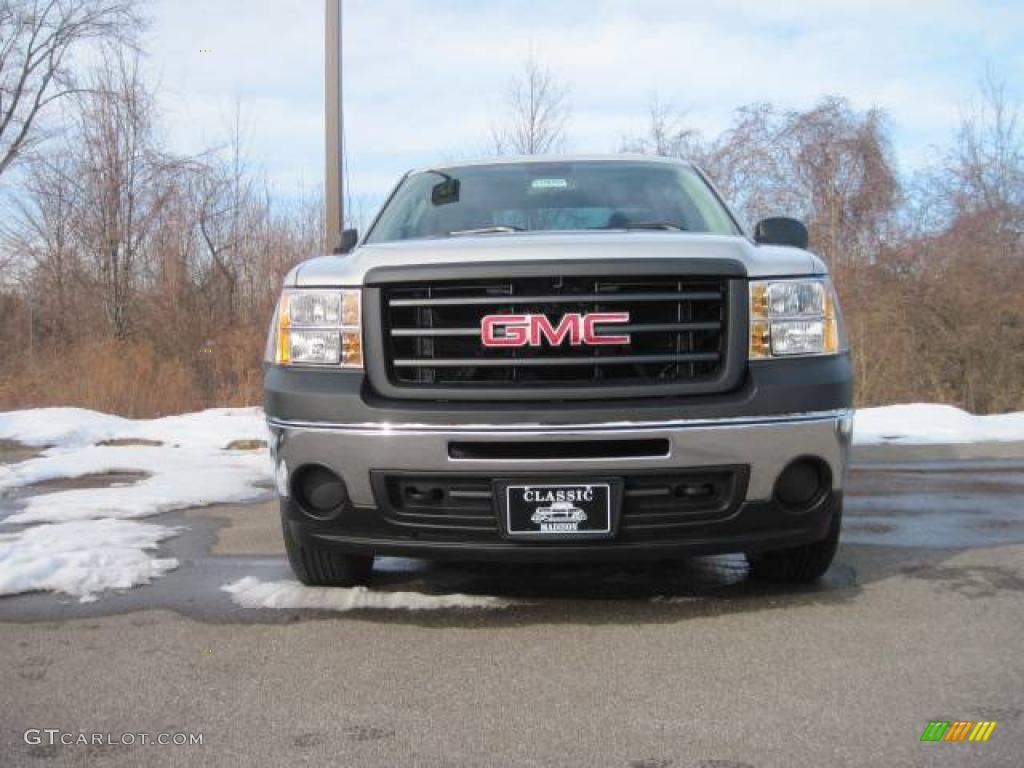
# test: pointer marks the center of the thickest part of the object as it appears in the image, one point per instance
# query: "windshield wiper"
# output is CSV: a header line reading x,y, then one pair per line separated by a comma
x,y
668,225
486,230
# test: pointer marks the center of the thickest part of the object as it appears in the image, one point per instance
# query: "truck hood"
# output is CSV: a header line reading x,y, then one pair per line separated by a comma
x,y
351,269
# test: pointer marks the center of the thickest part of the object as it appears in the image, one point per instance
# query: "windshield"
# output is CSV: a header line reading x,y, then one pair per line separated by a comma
x,y
584,195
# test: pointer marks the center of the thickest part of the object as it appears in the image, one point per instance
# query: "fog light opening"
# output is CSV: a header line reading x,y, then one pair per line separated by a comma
x,y
802,484
320,492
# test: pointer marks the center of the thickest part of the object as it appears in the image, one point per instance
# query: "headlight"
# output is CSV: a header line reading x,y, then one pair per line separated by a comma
x,y
318,328
793,317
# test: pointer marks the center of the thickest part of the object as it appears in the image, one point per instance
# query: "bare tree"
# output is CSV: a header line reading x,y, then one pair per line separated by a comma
x,y
150,274
829,165
749,164
123,181
537,113
40,230
667,134
985,171
38,39
841,161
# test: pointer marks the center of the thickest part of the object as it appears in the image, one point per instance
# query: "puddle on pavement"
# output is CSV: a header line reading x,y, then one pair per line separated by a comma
x,y
938,505
605,593
247,529
972,581
720,576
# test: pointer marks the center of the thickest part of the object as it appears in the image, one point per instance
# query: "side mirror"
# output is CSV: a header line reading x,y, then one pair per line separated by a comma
x,y
349,238
780,230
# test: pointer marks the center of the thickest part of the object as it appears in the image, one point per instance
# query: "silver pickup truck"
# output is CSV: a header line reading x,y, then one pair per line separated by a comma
x,y
547,332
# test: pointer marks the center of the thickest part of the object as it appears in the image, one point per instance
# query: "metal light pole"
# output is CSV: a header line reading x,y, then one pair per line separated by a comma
x,y
334,192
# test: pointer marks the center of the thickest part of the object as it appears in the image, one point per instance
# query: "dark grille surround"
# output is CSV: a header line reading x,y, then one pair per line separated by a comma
x,y
680,328
655,504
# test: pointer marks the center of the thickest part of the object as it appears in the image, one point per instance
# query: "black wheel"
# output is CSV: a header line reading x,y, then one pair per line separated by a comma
x,y
802,564
318,567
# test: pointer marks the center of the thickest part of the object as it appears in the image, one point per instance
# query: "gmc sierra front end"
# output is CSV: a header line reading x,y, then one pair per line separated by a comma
x,y
553,359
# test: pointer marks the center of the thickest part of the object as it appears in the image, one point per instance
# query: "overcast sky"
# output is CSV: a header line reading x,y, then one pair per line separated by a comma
x,y
424,79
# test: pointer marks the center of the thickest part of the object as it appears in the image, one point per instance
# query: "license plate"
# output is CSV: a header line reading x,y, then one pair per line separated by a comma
x,y
562,510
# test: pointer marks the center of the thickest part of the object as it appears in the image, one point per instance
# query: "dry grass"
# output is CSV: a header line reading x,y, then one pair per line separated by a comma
x,y
127,378
152,376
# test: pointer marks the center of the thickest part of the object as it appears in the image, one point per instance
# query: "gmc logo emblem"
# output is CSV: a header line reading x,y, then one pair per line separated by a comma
x,y
532,330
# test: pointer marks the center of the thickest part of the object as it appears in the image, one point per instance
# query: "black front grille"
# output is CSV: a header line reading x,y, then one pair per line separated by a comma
x,y
654,505
677,331
453,505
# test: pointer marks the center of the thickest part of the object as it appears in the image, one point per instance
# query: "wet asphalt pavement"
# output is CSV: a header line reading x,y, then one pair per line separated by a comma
x,y
673,664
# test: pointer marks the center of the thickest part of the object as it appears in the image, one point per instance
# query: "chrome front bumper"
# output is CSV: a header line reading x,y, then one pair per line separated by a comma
x,y
765,444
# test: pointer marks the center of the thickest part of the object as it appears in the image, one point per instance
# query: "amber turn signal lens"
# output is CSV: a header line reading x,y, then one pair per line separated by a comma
x,y
352,349
758,300
284,351
760,340
831,335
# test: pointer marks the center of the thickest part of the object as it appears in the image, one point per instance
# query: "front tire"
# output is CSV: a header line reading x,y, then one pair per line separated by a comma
x,y
802,564
318,567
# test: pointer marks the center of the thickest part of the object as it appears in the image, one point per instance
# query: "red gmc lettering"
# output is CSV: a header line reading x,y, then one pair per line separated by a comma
x,y
570,325
591,336
514,327
532,330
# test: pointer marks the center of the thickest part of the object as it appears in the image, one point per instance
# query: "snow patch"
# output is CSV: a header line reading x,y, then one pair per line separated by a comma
x,y
82,558
88,544
191,467
69,428
251,592
926,423
178,477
